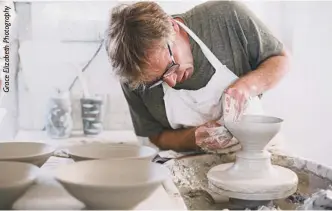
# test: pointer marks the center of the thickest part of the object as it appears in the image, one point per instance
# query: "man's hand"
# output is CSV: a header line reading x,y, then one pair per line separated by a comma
x,y
265,77
213,136
235,99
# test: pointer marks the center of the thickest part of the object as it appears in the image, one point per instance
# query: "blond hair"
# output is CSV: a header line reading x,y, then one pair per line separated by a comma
x,y
134,32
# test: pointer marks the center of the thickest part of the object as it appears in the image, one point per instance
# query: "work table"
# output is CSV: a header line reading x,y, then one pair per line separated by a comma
x,y
189,175
47,193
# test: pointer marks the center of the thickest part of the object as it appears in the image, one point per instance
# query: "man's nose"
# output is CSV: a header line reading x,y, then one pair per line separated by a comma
x,y
171,80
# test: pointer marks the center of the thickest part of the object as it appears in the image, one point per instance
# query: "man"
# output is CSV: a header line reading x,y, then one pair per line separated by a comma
x,y
172,84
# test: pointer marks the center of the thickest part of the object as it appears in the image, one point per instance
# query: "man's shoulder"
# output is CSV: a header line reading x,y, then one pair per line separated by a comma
x,y
211,8
211,12
218,5
134,92
128,91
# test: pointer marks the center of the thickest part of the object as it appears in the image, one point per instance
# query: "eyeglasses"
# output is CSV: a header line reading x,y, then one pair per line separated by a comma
x,y
171,68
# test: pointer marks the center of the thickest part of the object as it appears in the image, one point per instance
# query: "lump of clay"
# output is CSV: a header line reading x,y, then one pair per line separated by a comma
x,y
265,208
297,198
321,200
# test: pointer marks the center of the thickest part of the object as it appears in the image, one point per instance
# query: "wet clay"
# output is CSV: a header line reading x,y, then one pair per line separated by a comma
x,y
253,176
189,175
308,184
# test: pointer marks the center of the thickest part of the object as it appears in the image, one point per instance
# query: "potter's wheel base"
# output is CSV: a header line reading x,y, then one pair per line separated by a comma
x,y
251,196
276,183
239,204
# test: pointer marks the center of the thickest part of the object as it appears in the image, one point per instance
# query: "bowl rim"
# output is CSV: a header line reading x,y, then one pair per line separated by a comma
x,y
48,150
152,152
31,178
277,120
165,174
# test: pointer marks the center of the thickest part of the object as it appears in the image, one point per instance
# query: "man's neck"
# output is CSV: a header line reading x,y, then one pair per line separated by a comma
x,y
183,34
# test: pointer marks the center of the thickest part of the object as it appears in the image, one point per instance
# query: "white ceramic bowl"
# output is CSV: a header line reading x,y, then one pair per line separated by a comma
x,y
15,179
254,132
28,152
98,151
111,184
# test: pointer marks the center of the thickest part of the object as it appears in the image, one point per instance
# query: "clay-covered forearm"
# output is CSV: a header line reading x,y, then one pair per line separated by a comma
x,y
267,75
179,140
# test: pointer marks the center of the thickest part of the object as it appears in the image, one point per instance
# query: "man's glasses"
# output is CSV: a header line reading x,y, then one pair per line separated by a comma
x,y
171,68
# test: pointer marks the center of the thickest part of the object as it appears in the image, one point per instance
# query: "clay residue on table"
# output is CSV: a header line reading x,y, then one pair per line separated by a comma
x,y
308,184
189,175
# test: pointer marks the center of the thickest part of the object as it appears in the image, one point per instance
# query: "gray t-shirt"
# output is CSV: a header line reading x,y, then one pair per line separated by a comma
x,y
232,32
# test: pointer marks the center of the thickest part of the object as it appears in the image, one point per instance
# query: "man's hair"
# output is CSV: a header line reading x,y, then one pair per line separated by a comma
x,y
134,32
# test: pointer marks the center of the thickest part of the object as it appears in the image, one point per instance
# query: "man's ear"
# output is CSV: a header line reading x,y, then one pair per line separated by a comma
x,y
175,25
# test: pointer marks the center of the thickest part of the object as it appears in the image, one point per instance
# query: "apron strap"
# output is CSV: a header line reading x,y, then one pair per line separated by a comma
x,y
208,54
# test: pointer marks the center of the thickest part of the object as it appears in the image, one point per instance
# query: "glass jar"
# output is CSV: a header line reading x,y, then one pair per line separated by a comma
x,y
59,122
92,115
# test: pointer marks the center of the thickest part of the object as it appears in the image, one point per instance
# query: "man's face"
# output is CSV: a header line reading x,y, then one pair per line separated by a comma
x,y
173,64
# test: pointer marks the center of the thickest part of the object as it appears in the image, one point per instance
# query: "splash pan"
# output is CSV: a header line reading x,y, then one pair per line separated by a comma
x,y
189,175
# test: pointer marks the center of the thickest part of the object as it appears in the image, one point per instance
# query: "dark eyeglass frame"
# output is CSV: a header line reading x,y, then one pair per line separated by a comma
x,y
171,68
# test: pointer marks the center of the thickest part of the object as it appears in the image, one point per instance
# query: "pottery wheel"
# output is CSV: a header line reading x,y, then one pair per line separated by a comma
x,y
275,182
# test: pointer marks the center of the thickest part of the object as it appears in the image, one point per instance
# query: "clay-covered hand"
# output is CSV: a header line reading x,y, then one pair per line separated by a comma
x,y
213,136
235,100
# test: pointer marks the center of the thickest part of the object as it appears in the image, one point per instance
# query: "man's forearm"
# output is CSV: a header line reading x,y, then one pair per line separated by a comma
x,y
176,140
267,75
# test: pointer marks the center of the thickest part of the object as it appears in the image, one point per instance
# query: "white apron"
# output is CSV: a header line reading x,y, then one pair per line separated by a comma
x,y
190,108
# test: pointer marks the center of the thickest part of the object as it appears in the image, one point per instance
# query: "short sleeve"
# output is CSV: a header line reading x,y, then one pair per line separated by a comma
x,y
257,40
144,123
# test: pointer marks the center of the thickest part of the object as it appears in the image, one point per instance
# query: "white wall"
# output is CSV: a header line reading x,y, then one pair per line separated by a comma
x,y
303,99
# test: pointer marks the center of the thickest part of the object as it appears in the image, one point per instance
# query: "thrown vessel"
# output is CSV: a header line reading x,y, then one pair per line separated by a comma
x,y
96,151
15,179
112,184
35,153
252,176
